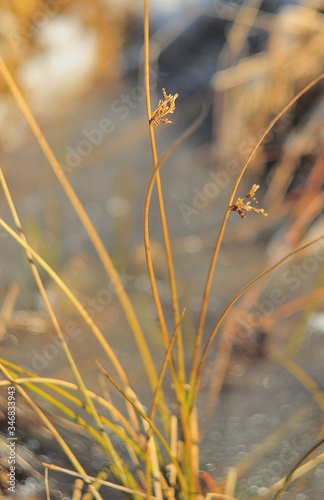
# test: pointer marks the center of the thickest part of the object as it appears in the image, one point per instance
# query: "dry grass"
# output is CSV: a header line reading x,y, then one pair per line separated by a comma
x,y
162,460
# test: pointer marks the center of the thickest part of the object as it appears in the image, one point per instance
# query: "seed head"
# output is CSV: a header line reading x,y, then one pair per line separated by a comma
x,y
165,106
242,207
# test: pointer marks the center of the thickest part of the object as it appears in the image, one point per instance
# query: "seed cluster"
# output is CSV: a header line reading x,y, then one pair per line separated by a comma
x,y
242,207
165,107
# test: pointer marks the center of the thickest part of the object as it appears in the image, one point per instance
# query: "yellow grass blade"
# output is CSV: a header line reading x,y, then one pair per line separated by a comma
x,y
196,377
53,430
84,218
218,244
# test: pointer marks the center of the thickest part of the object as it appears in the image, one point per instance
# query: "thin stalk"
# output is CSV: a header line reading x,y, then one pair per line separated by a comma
x,y
231,481
218,496
155,293
54,384
268,444
104,483
206,294
302,470
152,465
169,259
47,487
147,203
76,464
163,368
90,229
297,467
181,477
79,307
178,387
106,443
173,446
154,404
197,378
300,375
66,410
71,414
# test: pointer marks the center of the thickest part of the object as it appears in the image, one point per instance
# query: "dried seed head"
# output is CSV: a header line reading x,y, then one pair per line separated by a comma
x,y
242,207
252,192
165,106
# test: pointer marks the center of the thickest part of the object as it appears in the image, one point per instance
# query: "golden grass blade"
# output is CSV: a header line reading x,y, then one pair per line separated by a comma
x,y
91,431
81,310
177,142
196,377
272,440
147,202
173,446
305,304
300,375
100,476
76,464
154,405
239,31
75,417
20,461
133,422
182,479
31,254
218,244
231,481
84,218
114,486
190,431
178,380
304,469
77,491
218,496
164,367
167,245
106,443
152,466
47,488
54,385
297,467
151,453
7,308
299,331
192,450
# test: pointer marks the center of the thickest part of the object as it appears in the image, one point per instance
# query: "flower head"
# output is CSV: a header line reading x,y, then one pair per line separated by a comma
x,y
165,106
242,207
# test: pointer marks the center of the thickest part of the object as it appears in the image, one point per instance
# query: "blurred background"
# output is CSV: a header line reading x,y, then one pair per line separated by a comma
x,y
79,65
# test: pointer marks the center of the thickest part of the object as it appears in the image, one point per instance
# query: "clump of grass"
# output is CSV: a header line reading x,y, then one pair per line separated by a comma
x,y
161,461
